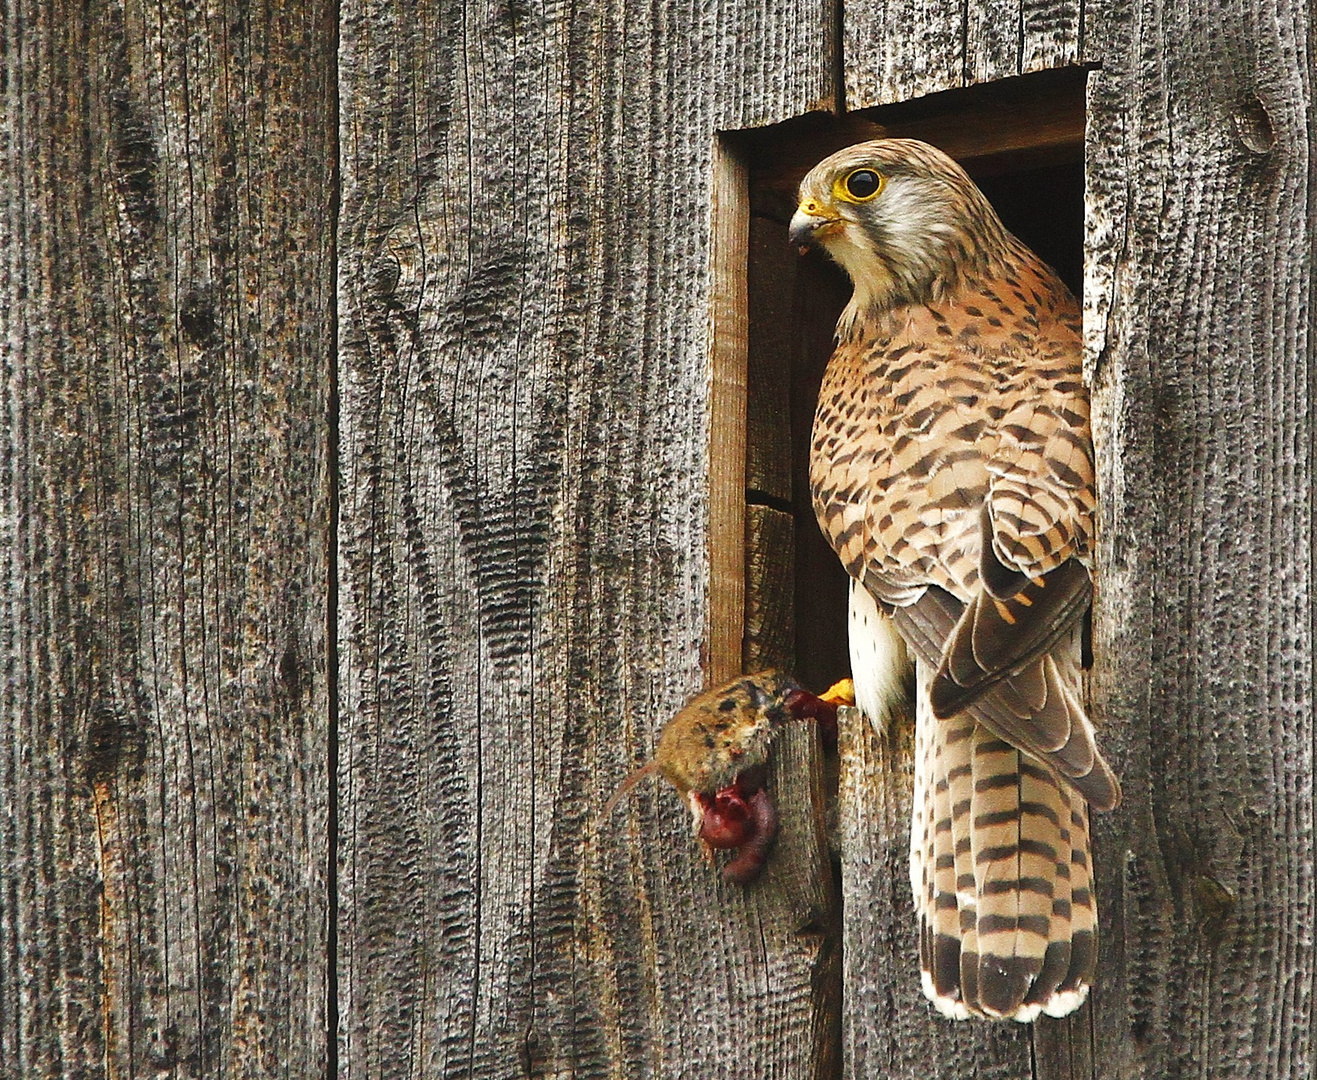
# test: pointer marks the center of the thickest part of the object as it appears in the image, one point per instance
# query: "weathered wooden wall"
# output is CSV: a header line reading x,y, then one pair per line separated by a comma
x,y
499,217
166,339
1199,220
1200,330
526,296
899,49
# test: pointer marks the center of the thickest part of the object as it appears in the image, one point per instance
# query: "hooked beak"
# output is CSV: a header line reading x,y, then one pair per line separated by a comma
x,y
808,223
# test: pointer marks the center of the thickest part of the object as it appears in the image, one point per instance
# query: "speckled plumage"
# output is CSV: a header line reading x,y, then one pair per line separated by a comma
x,y
952,471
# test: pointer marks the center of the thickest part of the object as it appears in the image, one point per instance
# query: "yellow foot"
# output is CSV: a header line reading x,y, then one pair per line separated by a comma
x,y
840,693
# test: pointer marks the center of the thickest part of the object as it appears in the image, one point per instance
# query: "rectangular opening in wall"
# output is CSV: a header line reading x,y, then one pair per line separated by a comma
x,y
1022,140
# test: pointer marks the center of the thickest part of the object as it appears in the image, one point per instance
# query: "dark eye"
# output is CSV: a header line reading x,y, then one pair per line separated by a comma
x,y
863,184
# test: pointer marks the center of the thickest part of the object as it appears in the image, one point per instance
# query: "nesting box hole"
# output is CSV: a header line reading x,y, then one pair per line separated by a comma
x,y
1022,140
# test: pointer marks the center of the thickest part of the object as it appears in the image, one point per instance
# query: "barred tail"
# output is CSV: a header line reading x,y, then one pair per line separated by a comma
x,y
1000,871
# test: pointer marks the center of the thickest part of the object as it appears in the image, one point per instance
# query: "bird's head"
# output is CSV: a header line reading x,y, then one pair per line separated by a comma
x,y
901,218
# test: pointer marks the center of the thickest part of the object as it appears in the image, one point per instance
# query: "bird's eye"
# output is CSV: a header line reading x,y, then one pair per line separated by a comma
x,y
862,184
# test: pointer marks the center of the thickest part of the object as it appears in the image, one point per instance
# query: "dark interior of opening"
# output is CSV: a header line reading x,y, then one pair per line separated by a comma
x,y
1022,141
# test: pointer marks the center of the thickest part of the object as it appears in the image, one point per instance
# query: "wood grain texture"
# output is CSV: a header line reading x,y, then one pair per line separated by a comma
x,y
890,1030
728,326
770,565
525,286
1199,323
525,299
166,284
895,50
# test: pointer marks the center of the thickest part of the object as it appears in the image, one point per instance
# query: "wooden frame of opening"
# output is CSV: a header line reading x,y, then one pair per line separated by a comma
x,y
776,592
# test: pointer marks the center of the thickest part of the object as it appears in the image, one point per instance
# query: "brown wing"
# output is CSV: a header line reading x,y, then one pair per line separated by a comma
x,y
1036,709
997,638
1034,527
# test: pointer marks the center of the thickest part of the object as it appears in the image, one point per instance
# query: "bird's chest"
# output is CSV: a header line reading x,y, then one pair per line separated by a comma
x,y
902,437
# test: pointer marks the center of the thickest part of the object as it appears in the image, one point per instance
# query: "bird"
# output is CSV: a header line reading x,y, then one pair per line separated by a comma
x,y
715,753
952,471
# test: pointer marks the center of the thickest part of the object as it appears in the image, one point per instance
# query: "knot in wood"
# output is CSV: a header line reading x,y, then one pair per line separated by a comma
x,y
113,744
196,316
1253,126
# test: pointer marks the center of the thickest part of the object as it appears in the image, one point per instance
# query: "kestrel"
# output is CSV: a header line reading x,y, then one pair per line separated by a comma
x,y
952,471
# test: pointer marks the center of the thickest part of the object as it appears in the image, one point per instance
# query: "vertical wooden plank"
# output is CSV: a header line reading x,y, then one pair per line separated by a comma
x,y
1051,33
770,541
890,1029
994,39
895,50
770,616
728,340
1199,330
898,49
166,196
525,300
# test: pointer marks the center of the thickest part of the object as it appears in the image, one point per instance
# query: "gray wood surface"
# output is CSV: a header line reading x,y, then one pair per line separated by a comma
x,y
166,323
727,488
525,306
1199,324
900,49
